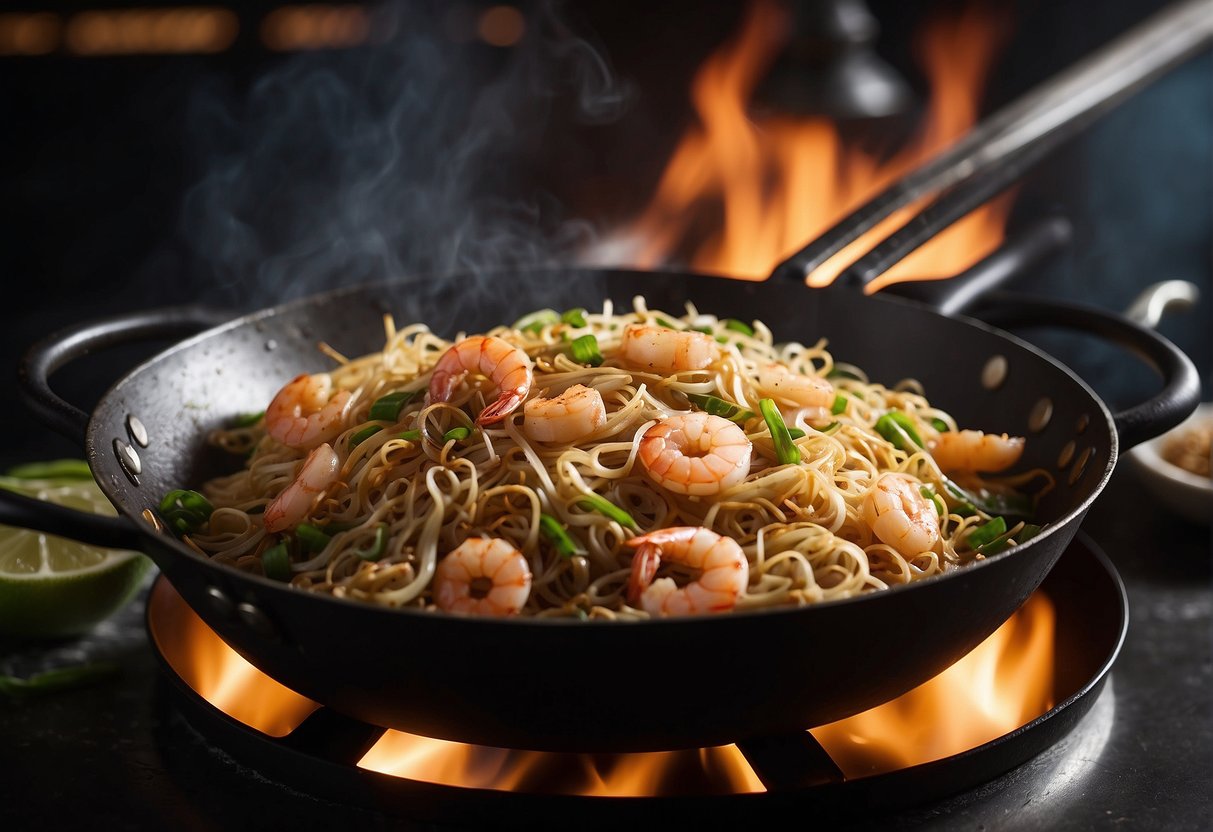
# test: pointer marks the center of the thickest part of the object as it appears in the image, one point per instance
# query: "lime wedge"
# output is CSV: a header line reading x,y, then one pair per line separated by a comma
x,y
51,586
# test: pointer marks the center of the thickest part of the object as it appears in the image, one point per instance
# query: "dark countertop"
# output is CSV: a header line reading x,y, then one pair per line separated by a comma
x,y
117,754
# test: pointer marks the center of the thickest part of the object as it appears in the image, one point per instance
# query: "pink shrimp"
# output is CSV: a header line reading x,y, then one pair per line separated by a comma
x,y
303,413
664,350
697,454
482,576
972,450
292,505
900,516
502,363
724,572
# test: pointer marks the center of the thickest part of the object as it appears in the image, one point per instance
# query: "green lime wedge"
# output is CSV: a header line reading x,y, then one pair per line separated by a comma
x,y
51,586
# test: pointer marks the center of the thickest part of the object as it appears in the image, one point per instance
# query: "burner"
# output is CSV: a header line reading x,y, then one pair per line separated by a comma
x,y
832,769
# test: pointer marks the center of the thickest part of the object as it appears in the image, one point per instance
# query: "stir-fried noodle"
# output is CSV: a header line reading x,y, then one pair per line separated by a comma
x,y
832,487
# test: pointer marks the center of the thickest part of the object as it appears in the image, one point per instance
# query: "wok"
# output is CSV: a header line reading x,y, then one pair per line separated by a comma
x,y
595,686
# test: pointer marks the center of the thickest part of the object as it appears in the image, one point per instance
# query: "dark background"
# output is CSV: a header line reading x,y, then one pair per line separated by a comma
x,y
101,157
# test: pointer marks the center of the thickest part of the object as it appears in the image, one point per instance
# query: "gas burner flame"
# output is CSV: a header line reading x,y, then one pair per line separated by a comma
x,y
1004,683
764,188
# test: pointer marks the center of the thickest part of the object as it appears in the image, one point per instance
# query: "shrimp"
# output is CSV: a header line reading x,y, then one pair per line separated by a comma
x,y
667,350
972,450
697,454
317,473
502,363
303,414
900,516
482,576
575,413
804,391
724,571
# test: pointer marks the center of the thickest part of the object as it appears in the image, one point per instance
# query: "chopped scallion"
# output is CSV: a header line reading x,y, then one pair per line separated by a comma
x,y
1029,531
410,435
795,433
719,407
363,435
537,320
667,323
311,538
247,420
706,330
276,563
1007,505
986,533
574,317
609,509
68,469
387,408
838,372
556,534
899,429
939,424
739,326
840,404
785,450
455,434
830,428
186,511
375,550
585,350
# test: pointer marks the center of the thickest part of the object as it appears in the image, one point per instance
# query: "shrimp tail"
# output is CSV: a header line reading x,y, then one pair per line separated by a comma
x,y
502,406
644,569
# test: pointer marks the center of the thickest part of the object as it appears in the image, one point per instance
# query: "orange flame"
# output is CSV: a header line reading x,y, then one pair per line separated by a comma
x,y
781,182
1004,683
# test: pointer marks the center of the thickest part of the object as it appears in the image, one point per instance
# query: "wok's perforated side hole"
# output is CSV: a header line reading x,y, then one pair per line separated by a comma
x,y
1082,423
994,373
1041,415
1067,453
128,460
153,520
136,429
1081,465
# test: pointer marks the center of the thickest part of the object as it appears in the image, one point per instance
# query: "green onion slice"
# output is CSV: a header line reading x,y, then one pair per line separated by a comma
x,y
387,408
68,469
992,504
899,429
706,330
556,534
840,404
537,320
186,511
939,424
785,450
276,562
739,326
838,372
374,551
609,509
986,533
830,428
795,433
455,434
1029,531
574,317
311,538
363,435
719,407
410,435
667,323
247,420
585,350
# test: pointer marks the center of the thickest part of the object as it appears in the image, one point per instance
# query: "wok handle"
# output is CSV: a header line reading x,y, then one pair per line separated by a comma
x,y
1180,391
73,342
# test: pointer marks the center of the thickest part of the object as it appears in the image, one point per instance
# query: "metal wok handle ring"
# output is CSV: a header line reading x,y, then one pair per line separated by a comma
x,y
1172,404
71,343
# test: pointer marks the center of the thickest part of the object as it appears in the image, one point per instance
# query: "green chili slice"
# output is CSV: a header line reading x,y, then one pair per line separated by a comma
x,y
585,350
556,534
311,538
276,563
939,424
574,317
186,511
719,407
1006,505
455,434
739,326
795,433
840,404
899,429
609,509
387,408
67,469
378,546
363,435
1029,531
785,450
537,320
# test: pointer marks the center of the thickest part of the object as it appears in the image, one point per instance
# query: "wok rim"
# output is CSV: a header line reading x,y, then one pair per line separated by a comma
x,y
93,450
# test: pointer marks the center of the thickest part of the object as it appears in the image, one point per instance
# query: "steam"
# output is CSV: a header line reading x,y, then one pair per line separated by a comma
x,y
409,156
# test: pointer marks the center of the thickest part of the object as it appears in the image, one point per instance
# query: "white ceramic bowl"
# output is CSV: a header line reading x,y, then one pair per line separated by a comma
x,y
1187,494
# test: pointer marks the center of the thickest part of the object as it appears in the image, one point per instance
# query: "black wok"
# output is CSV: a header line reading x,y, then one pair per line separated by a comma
x,y
566,685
